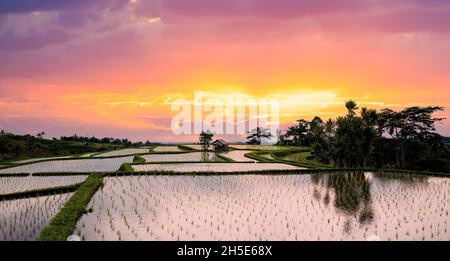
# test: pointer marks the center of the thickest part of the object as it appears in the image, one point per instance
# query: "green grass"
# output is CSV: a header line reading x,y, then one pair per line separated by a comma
x,y
226,159
256,156
273,172
14,175
64,223
303,160
138,159
186,148
39,192
126,167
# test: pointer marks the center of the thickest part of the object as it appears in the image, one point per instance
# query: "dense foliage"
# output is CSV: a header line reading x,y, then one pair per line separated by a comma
x,y
14,147
403,139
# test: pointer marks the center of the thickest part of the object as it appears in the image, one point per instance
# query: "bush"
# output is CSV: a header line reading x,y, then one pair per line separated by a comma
x,y
432,164
138,160
126,167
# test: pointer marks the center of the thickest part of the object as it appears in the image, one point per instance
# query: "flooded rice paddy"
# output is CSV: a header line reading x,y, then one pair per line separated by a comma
x,y
238,155
166,148
213,167
23,219
78,165
339,206
123,152
39,159
193,156
19,184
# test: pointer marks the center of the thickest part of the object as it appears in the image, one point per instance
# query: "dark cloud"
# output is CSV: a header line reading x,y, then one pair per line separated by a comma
x,y
11,42
25,6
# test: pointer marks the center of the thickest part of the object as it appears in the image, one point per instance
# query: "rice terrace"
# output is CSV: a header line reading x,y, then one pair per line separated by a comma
x,y
301,188
177,128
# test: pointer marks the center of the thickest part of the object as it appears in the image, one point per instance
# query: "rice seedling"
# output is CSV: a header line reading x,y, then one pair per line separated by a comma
x,y
269,207
72,165
213,167
19,184
23,219
238,155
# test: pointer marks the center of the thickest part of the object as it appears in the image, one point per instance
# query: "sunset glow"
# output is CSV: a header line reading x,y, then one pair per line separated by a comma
x,y
112,68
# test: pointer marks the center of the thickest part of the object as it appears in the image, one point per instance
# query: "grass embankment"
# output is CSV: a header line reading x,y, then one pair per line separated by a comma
x,y
303,157
186,148
138,159
276,172
14,175
64,223
40,192
256,155
126,167
225,158
45,174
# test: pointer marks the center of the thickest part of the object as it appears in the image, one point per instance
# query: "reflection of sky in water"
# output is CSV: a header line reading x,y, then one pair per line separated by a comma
x,y
339,206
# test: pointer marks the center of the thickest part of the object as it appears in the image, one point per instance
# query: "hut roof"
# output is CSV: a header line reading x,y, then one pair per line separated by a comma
x,y
220,141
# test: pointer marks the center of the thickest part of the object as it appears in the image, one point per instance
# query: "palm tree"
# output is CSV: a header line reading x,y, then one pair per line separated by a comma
x,y
299,132
351,107
205,139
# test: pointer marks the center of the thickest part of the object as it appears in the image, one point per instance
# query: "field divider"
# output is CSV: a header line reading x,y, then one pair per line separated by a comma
x,y
49,174
272,172
40,192
92,157
64,223
225,158
187,148
6,175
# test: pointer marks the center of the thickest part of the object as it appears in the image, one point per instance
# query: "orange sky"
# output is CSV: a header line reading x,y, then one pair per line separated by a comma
x,y
113,69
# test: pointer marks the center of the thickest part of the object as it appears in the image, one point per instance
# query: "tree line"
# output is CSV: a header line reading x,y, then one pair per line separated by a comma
x,y
14,146
405,139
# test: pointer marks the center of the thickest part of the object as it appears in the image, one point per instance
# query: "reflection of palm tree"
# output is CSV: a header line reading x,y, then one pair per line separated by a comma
x,y
351,190
204,156
352,194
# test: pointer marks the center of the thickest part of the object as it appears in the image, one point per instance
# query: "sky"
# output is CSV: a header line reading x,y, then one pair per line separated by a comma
x,y
114,67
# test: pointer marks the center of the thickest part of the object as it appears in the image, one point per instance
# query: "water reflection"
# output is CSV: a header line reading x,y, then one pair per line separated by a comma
x,y
209,157
329,206
351,194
